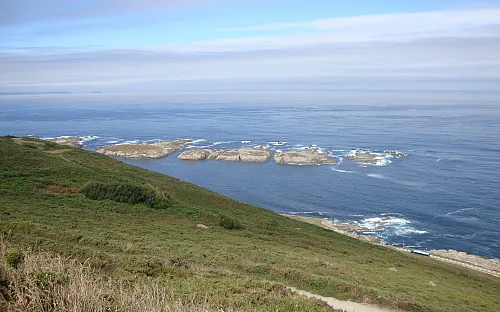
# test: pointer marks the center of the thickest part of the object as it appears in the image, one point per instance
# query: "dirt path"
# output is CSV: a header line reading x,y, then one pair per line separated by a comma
x,y
347,306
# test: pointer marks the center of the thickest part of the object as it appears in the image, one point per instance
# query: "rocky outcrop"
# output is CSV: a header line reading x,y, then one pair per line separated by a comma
x,y
229,155
254,154
395,154
365,157
144,151
68,140
198,155
243,154
308,158
372,157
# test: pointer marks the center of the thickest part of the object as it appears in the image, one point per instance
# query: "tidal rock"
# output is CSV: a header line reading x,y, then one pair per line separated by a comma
x,y
374,158
364,157
228,155
243,154
395,154
302,158
254,154
68,140
144,151
198,155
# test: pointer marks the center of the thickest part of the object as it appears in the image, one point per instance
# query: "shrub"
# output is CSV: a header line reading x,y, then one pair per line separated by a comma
x,y
128,193
230,223
14,258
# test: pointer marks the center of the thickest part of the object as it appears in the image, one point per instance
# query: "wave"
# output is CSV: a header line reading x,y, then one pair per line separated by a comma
x,y
221,143
390,226
197,141
407,183
458,211
391,214
89,138
279,143
343,171
246,142
377,176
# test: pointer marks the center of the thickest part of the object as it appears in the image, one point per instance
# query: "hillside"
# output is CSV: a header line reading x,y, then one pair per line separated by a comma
x,y
161,243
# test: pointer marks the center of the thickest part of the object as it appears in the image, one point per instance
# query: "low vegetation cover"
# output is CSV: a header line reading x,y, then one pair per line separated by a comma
x,y
127,193
84,230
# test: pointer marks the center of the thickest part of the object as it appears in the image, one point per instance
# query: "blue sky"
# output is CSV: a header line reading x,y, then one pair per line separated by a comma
x,y
116,45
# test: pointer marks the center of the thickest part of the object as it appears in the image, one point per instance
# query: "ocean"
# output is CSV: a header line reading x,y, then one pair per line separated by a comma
x,y
444,194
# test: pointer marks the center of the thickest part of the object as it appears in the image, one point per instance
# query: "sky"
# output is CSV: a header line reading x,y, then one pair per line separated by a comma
x,y
155,45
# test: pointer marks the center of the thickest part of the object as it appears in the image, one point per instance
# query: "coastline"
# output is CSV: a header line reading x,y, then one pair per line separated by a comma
x,y
473,262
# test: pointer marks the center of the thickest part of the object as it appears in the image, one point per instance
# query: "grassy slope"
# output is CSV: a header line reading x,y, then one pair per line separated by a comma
x,y
227,267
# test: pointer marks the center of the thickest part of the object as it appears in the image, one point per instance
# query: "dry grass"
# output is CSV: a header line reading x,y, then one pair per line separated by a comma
x,y
45,282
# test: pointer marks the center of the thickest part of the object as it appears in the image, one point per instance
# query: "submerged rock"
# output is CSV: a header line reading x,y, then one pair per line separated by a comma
x,y
309,158
198,155
68,140
144,151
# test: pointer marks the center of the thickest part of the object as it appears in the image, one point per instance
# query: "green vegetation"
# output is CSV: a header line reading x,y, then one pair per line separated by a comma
x,y
230,223
127,193
124,248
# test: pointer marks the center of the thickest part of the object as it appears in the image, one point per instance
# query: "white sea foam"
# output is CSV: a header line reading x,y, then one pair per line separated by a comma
x,y
279,143
220,143
383,161
391,214
388,225
112,142
131,142
458,211
375,222
376,176
197,141
408,231
343,171
89,138
246,142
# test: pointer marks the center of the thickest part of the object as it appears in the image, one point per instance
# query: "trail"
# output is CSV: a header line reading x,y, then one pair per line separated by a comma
x,y
347,306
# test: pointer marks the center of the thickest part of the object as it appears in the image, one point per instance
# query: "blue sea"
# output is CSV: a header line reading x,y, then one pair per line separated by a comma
x,y
445,194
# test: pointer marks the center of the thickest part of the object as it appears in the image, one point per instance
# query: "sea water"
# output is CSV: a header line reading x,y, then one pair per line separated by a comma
x,y
443,195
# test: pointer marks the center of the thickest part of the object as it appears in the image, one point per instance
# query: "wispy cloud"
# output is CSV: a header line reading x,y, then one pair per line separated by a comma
x,y
403,26
27,11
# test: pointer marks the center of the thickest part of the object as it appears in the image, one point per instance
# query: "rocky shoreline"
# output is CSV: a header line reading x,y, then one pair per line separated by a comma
x,y
484,265
68,141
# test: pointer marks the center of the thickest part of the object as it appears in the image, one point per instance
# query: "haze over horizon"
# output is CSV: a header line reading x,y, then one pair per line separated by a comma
x,y
153,45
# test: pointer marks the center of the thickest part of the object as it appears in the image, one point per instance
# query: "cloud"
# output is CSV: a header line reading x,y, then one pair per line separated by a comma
x,y
432,58
26,11
436,20
448,45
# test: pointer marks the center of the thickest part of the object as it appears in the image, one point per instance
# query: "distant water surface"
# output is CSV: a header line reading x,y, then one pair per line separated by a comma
x,y
443,195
